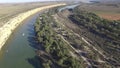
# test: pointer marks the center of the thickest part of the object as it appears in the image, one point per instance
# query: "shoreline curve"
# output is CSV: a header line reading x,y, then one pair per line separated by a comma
x,y
7,29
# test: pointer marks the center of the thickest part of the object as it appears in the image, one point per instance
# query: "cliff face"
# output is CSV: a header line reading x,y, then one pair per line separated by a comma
x,y
6,30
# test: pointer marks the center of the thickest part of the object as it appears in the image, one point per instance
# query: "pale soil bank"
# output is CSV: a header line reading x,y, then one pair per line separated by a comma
x,y
6,29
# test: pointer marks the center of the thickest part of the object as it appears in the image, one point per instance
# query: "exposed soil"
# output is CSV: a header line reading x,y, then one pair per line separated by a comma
x,y
110,16
110,11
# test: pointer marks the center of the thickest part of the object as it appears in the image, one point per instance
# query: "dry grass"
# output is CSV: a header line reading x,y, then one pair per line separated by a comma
x,y
8,11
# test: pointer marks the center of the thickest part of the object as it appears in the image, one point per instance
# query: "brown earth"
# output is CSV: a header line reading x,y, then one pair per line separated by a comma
x,y
110,16
104,10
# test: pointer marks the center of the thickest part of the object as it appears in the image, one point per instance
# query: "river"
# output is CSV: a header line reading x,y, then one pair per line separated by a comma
x,y
68,7
17,50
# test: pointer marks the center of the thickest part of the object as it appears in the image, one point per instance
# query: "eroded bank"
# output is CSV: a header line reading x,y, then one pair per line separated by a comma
x,y
7,29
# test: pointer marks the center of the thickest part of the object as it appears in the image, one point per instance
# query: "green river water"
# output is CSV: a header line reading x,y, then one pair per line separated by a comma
x,y
17,50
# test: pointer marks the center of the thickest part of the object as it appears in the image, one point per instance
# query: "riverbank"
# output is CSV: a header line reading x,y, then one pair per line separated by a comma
x,y
7,29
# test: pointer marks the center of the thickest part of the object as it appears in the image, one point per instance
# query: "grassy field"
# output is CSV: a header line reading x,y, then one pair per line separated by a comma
x,y
109,11
8,11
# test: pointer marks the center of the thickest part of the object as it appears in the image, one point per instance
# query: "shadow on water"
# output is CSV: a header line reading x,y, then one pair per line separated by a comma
x,y
35,62
32,38
33,43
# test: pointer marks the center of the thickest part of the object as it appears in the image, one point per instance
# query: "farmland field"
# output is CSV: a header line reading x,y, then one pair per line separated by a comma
x,y
109,11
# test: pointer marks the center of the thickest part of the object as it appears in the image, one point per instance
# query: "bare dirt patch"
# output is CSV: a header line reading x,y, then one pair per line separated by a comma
x,y
110,16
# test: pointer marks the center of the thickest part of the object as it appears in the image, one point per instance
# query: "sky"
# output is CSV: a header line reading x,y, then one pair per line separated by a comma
x,y
17,1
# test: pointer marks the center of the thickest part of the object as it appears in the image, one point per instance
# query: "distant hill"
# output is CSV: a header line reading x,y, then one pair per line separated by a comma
x,y
109,0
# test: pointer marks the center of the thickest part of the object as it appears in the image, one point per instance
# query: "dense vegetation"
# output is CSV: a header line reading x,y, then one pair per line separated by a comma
x,y
107,30
56,54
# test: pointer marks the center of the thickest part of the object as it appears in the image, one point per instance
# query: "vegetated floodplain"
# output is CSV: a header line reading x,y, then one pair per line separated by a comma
x,y
77,39
106,29
55,52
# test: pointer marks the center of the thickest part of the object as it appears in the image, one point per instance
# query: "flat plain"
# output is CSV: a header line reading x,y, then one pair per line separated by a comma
x,y
9,10
108,10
